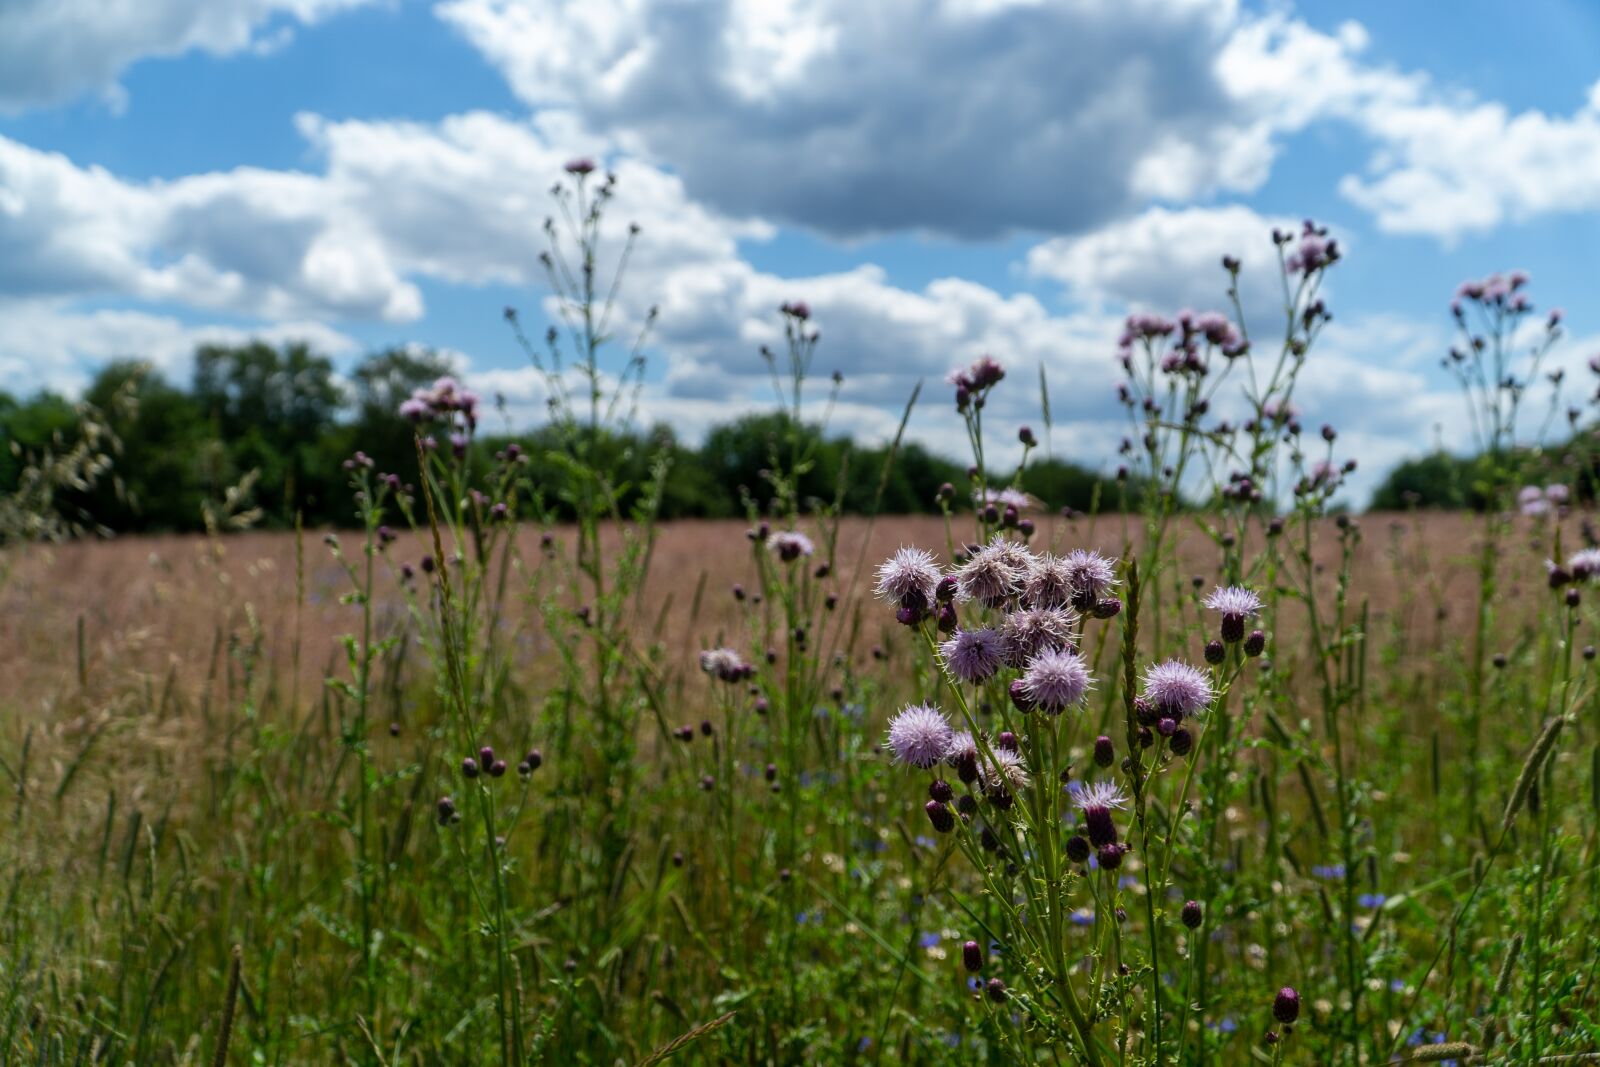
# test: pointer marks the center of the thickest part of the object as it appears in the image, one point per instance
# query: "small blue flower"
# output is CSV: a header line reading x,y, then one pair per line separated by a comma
x,y
928,940
1371,900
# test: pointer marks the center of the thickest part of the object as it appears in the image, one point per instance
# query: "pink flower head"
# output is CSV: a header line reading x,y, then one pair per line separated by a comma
x,y
1056,680
973,656
1177,689
920,735
909,578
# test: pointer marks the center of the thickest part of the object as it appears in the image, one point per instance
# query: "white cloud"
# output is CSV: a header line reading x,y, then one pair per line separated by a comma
x,y
52,50
959,118
45,345
1164,259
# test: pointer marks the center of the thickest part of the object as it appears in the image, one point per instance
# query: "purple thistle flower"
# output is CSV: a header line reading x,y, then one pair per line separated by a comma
x,y
1235,604
1005,498
973,656
1029,634
790,545
994,574
1056,680
1049,583
1002,772
1176,689
1584,563
1096,800
1092,576
919,735
961,753
726,664
580,167
909,578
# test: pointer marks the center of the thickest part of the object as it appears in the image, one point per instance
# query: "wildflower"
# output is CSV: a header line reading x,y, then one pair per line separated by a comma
x,y
447,810
1091,575
725,664
1048,584
941,817
580,167
1255,643
1192,914
973,656
909,578
1096,800
469,767
939,790
1031,633
1235,604
1002,772
796,309
1056,680
961,753
1104,753
1181,741
996,990
1584,563
1286,1005
920,735
993,574
1175,689
790,545
1216,652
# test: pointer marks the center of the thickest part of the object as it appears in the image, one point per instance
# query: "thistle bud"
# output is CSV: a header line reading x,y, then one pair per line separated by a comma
x,y
1104,752
1216,652
996,990
941,817
1286,1005
940,790
972,956
1193,915
1078,848
1255,643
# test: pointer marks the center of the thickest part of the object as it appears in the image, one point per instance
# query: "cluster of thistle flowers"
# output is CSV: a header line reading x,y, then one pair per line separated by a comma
x,y
1490,313
444,399
972,384
1536,501
1042,601
487,764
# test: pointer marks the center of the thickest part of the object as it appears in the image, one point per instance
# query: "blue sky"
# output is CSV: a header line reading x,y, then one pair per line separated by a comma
x,y
936,179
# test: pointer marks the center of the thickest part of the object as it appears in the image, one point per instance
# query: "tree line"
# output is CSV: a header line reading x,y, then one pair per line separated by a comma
x,y
284,412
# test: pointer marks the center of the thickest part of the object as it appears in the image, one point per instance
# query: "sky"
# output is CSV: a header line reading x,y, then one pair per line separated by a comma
x,y
936,179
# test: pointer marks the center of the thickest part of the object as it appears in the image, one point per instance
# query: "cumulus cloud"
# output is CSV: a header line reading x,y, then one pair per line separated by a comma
x,y
966,118
52,50
1166,259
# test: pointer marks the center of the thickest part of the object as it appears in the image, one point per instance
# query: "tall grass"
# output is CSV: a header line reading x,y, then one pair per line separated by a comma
x,y
540,811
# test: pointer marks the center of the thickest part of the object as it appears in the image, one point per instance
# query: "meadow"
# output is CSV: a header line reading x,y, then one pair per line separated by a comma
x,y
1216,774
